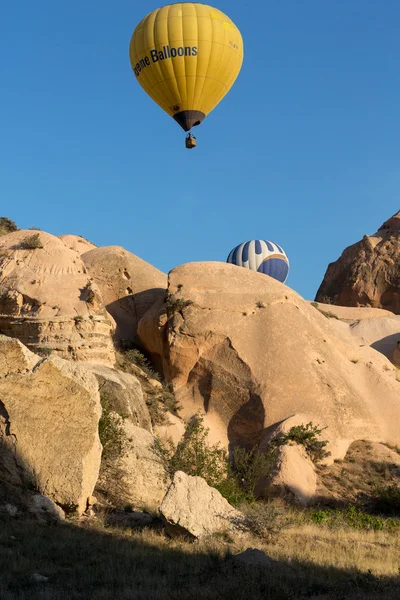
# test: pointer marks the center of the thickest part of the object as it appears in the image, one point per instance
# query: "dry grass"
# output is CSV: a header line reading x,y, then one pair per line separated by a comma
x,y
87,560
348,549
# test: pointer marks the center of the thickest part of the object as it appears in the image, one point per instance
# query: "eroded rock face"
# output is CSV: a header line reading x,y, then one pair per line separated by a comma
x,y
172,430
396,355
294,476
123,394
368,272
15,357
49,302
128,284
49,419
135,476
250,353
191,507
382,334
77,243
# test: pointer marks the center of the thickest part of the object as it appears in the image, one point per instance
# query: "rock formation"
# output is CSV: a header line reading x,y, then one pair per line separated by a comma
x,y
49,415
48,301
193,508
123,394
250,353
135,475
129,286
77,243
368,272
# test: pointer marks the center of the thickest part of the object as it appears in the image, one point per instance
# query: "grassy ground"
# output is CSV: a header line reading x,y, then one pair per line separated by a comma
x,y
88,560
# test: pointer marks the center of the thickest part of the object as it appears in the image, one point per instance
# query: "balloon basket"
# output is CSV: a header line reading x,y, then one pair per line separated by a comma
x,y
190,142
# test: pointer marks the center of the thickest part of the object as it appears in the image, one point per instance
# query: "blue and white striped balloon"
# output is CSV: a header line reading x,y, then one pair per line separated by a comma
x,y
261,256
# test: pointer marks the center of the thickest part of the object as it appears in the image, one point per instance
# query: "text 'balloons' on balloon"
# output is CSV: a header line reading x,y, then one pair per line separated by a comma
x,y
261,256
186,56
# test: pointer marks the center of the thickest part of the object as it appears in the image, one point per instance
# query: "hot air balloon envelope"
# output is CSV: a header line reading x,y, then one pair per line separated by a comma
x,y
186,56
261,256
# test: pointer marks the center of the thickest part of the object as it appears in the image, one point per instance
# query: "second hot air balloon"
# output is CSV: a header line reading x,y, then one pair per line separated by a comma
x,y
261,256
186,56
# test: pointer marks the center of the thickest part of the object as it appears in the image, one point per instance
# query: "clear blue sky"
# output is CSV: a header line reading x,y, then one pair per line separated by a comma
x,y
304,150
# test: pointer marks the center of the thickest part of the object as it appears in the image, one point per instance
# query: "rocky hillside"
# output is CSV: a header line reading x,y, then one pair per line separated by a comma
x,y
368,272
123,387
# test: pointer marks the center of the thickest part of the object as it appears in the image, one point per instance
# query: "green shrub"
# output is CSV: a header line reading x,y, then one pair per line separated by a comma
x,y
387,498
32,242
329,314
306,436
160,402
44,351
263,518
111,431
138,358
7,226
165,400
234,479
231,489
194,456
247,466
175,305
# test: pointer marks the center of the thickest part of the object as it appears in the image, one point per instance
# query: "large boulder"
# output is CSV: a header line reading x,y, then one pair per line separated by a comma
x,y
49,415
368,272
294,475
192,508
250,353
15,357
135,474
123,394
48,301
128,284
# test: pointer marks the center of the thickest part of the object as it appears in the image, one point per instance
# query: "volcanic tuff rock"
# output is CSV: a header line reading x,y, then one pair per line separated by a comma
x,y
250,353
294,473
368,272
123,394
191,507
352,314
49,415
396,355
136,475
374,327
173,429
77,243
128,284
48,301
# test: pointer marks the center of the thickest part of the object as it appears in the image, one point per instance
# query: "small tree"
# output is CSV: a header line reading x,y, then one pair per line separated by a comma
x,y
195,457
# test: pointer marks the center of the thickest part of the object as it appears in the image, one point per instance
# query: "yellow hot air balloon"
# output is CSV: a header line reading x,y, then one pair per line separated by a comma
x,y
186,56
